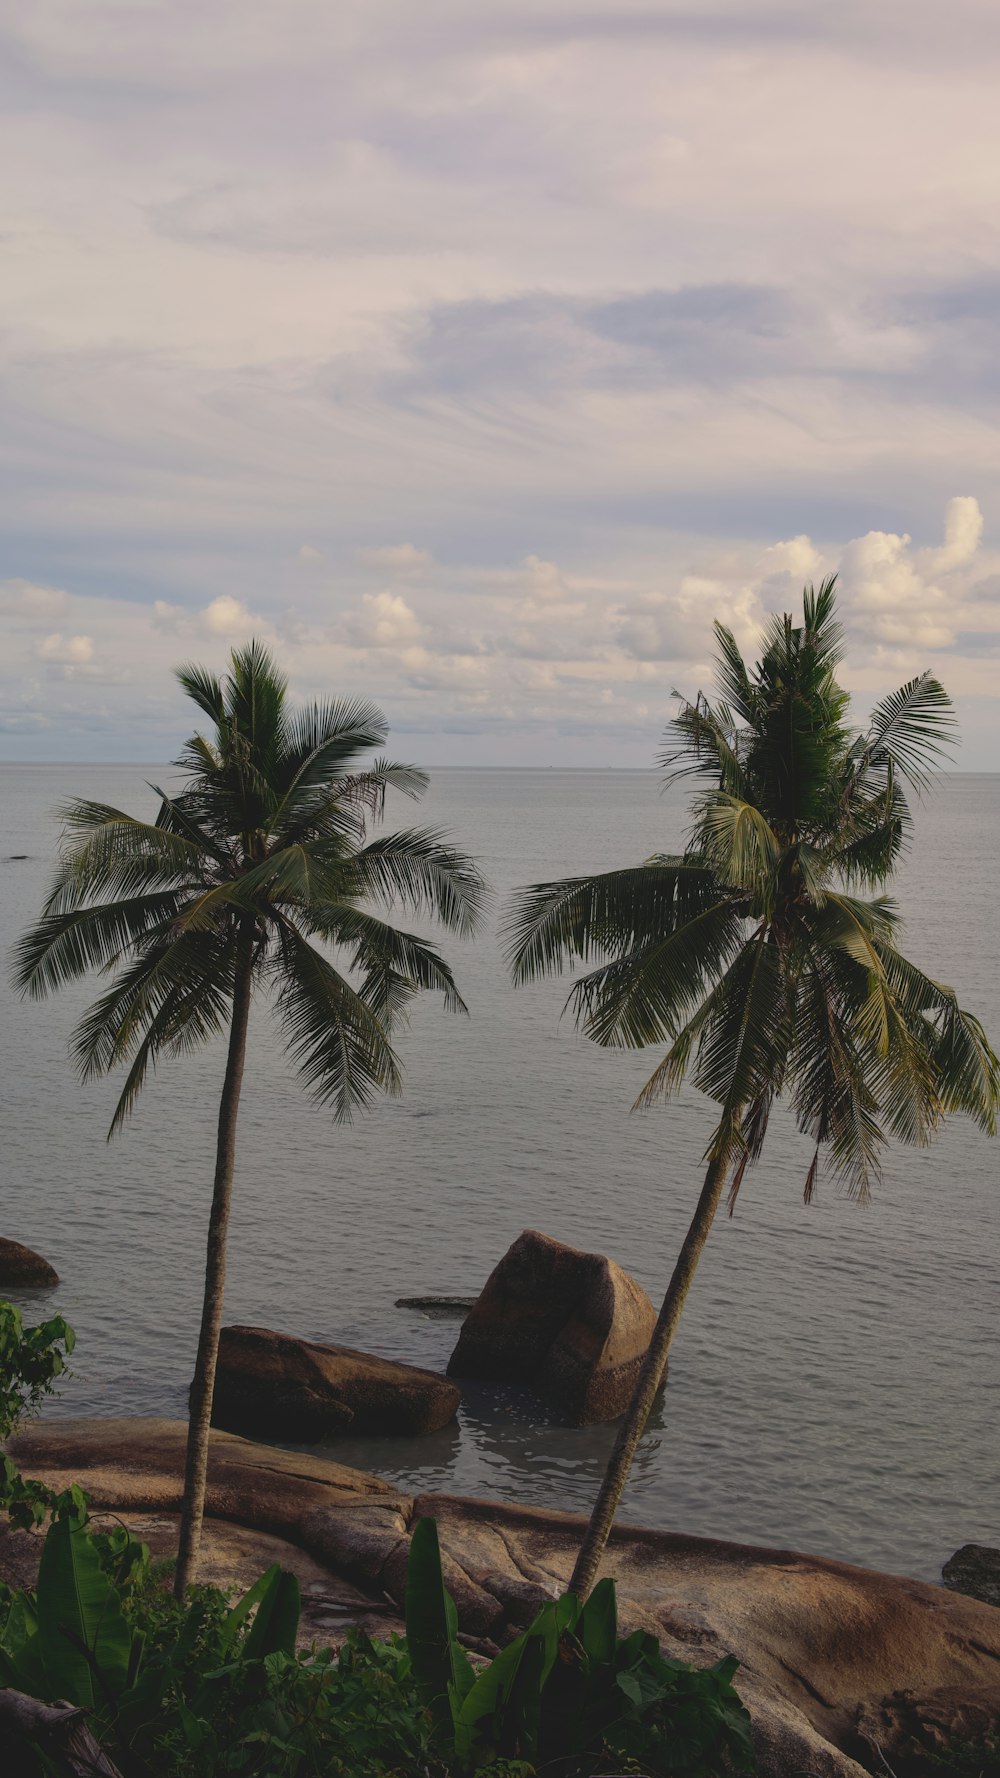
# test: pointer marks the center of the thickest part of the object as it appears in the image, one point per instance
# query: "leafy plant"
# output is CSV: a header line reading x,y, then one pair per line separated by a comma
x,y
31,1361
208,1687
567,1693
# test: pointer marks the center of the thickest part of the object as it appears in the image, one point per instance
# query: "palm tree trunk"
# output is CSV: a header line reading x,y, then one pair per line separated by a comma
x,y
203,1385
648,1382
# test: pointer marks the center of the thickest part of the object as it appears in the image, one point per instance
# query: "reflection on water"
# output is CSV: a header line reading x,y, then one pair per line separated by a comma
x,y
523,1452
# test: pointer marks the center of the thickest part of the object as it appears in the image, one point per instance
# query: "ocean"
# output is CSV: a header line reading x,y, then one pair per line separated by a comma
x,y
835,1386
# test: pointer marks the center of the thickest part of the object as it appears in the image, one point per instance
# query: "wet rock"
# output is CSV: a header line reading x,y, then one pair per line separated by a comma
x,y
975,1571
272,1385
572,1326
22,1266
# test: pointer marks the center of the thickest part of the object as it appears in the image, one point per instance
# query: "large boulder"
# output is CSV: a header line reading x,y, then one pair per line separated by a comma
x,y
272,1385
21,1266
571,1326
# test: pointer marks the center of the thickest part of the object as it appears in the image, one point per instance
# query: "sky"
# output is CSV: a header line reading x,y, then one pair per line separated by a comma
x,y
477,356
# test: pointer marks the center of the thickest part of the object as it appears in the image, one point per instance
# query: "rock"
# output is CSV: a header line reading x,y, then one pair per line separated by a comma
x,y
22,1266
137,1465
571,1326
273,1385
975,1571
835,1661
231,1557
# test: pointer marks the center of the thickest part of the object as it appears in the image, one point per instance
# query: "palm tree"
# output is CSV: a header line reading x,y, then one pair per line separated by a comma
x,y
752,957
262,858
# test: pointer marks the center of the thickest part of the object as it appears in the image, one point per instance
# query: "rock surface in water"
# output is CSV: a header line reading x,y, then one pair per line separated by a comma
x,y
272,1385
20,1265
975,1571
835,1661
572,1326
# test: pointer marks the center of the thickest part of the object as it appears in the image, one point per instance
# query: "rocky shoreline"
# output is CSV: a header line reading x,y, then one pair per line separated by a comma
x,y
836,1661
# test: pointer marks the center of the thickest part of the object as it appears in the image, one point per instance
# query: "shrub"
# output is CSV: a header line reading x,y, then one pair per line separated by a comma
x,y
214,1687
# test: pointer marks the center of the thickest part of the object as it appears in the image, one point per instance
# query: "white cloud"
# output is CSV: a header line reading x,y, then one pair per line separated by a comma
x,y
307,552
798,557
68,650
963,532
914,598
227,616
398,558
548,585
384,620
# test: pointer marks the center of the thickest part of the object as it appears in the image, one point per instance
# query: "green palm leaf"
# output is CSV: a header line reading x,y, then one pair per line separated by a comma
x,y
341,1046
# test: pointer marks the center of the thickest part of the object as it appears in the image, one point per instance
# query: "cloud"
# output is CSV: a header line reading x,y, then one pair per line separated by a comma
x,y
226,616
384,620
69,650
913,597
963,532
168,617
397,558
25,603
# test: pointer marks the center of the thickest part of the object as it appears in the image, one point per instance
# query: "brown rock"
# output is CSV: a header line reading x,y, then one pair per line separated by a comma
x,y
22,1266
572,1326
844,1670
272,1385
136,1465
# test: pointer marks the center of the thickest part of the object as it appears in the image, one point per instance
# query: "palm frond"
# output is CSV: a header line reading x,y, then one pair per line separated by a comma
x,y
732,675
670,1073
255,690
737,841
744,1046
643,996
204,689
111,854
194,972
420,869
61,947
177,815
912,730
394,965
185,1019
321,741
833,1100
340,1045
550,925
702,741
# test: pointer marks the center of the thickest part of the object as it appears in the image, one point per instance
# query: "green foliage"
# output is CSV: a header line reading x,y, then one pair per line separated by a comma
x,y
31,1361
749,955
567,1692
212,1687
966,1759
269,838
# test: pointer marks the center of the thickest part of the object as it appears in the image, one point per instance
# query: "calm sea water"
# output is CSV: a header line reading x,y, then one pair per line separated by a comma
x,y
836,1383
